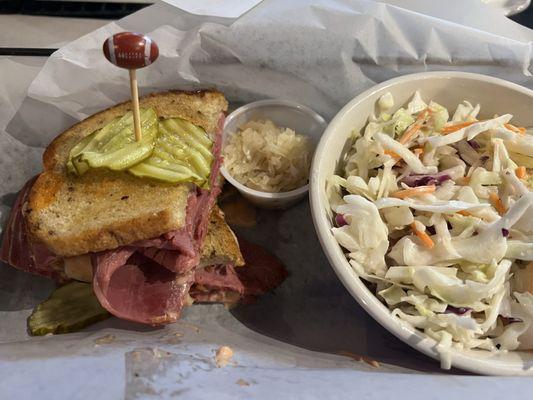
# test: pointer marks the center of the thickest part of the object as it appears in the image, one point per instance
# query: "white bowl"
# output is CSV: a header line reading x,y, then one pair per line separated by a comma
x,y
283,113
447,88
509,7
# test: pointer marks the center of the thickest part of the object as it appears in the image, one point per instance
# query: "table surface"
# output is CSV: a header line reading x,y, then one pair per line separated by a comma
x,y
43,32
24,31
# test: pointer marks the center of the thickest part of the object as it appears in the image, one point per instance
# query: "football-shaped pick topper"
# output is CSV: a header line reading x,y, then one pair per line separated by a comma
x,y
130,50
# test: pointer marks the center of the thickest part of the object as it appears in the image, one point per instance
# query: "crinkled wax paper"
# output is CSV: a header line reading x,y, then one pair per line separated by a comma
x,y
319,53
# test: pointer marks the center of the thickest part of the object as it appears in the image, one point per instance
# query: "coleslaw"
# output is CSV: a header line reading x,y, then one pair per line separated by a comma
x,y
434,211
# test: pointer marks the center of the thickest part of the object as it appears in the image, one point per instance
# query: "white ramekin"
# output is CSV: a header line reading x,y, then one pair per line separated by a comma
x,y
283,113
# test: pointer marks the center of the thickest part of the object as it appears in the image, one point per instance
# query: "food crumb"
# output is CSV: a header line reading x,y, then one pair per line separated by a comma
x,y
174,338
191,326
357,357
223,356
136,355
353,356
105,339
371,362
242,382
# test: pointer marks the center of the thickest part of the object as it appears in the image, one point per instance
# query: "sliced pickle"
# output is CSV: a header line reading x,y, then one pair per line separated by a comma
x,y
114,145
178,124
182,153
164,172
68,309
186,136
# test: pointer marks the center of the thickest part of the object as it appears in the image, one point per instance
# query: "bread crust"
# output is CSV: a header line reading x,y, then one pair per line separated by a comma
x,y
220,244
105,209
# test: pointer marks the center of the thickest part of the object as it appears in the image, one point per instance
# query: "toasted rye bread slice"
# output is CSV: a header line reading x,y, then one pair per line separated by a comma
x,y
220,244
220,247
104,209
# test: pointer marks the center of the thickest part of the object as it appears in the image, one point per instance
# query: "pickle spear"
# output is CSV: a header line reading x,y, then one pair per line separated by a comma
x,y
182,153
69,308
114,145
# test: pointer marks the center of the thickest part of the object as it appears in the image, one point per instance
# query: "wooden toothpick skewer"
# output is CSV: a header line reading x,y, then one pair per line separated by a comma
x,y
135,105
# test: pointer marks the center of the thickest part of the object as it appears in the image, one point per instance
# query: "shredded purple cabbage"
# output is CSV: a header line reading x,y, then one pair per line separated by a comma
x,y
457,310
474,144
422,180
340,220
509,320
505,232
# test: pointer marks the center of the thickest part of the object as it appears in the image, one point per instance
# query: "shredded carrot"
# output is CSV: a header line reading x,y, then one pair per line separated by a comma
x,y
520,130
412,192
415,127
456,127
469,214
418,151
497,203
409,133
521,172
465,180
426,240
392,154
465,213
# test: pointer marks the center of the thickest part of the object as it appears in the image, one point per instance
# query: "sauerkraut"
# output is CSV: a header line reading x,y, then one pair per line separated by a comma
x,y
265,157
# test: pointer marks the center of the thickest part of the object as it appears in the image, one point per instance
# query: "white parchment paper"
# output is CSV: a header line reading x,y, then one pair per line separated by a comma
x,y
227,8
319,53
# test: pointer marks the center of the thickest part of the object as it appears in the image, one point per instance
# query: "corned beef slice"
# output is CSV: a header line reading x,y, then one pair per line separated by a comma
x,y
262,273
18,250
134,287
150,284
218,278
